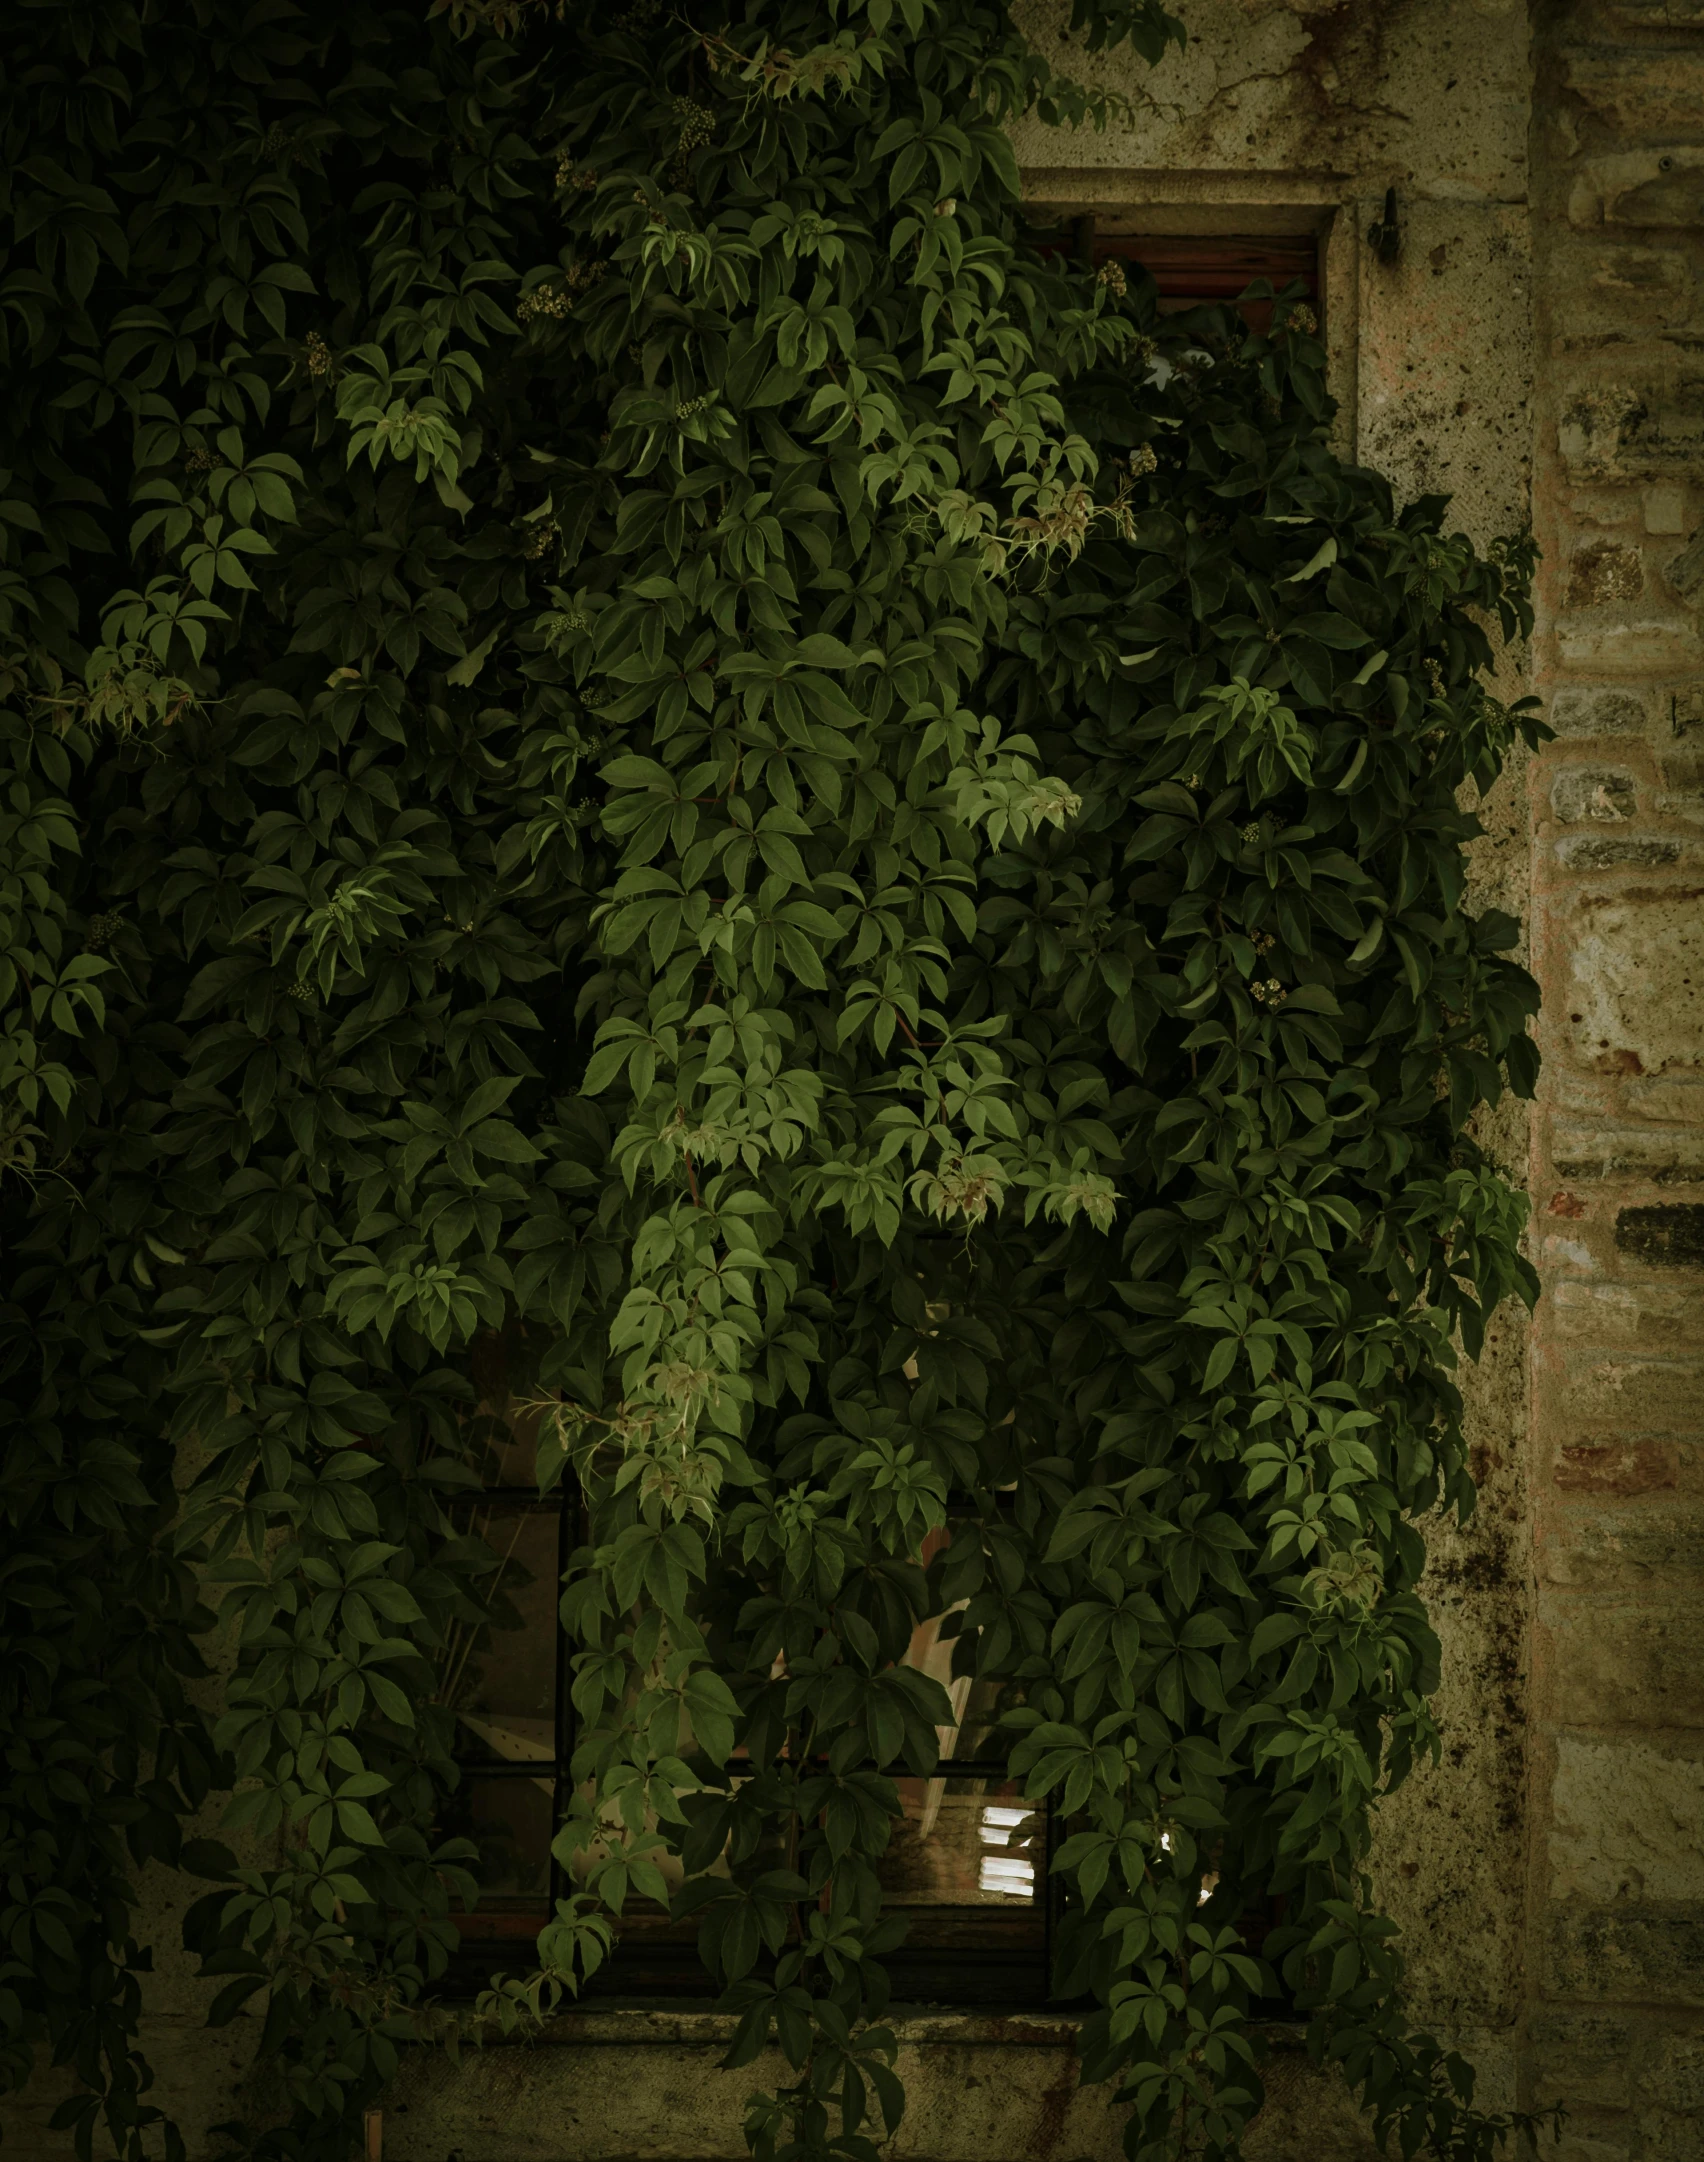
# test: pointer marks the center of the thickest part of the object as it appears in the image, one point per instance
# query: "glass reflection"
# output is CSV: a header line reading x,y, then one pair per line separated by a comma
x,y
511,1823
961,1842
499,1676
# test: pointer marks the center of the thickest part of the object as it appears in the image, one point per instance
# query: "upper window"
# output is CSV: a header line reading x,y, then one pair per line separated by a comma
x,y
1189,269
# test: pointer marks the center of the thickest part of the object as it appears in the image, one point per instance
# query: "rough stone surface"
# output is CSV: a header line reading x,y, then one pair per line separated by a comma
x,y
1625,1822
1628,1663
1581,711
1590,852
1635,986
1604,574
1605,794
1632,1953
1665,1156
1668,1235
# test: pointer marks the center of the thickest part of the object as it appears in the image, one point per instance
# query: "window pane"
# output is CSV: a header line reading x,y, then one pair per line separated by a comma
x,y
504,1368
511,1822
501,1679
962,1842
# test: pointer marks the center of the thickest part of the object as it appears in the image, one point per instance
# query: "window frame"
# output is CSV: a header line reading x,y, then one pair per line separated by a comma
x,y
659,1959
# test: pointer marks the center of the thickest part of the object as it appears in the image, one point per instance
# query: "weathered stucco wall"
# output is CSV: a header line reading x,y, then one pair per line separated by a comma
x,y
1538,353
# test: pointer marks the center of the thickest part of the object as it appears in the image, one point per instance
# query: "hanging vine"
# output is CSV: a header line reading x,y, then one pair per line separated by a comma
x,y
628,719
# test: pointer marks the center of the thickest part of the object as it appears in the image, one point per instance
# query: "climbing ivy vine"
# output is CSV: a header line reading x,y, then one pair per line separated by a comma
x,y
631,725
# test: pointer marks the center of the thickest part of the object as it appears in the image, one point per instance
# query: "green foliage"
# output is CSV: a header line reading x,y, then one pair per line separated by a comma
x,y
709,763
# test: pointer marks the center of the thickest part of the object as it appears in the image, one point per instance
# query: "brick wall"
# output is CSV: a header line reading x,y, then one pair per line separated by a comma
x,y
1616,1889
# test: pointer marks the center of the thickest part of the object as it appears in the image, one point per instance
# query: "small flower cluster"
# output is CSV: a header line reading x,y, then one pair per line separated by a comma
x,y
582,178
556,301
102,930
1111,275
538,539
1269,993
697,124
548,300
201,459
316,357
1142,460
1301,317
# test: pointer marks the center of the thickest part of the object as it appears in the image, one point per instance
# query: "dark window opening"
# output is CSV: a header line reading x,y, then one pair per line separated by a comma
x,y
1189,270
965,1864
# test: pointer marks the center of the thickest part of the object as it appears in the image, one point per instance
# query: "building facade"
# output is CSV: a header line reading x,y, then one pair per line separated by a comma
x,y
1535,349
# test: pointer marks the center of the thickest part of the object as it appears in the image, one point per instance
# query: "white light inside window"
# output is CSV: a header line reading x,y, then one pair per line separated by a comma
x,y
1003,1870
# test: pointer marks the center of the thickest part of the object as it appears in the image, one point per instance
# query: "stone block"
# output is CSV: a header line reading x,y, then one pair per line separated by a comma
x,y
1593,2139
1671,2072
1672,195
1581,2057
1685,572
1675,2138
1598,710
1650,646
1673,1097
1644,1549
1657,285
1648,430
1603,794
1640,91
1617,1467
1625,1953
1648,15
1663,1156
1604,574
1594,852
1668,1235
1666,510
1634,997
1635,1395
1625,1822
1625,1666
1636,1316
1686,710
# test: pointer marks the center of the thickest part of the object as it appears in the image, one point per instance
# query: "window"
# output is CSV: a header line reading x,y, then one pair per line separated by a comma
x,y
1189,269
507,1685
965,1862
